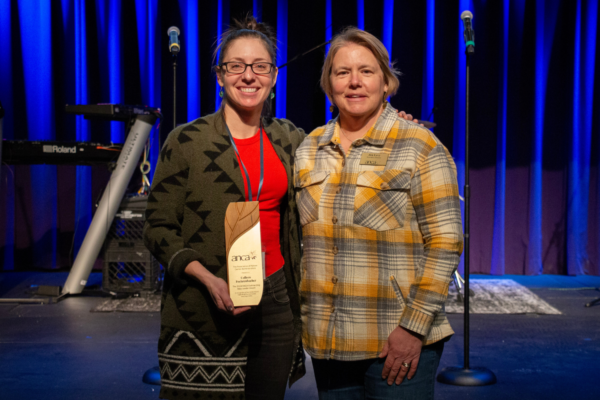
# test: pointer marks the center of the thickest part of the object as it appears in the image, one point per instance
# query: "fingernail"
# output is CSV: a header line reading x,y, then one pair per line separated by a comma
x,y
230,308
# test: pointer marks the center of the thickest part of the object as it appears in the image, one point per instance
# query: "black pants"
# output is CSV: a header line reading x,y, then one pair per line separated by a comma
x,y
270,342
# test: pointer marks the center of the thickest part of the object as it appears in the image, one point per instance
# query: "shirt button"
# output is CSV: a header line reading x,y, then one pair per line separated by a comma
x,y
334,219
343,162
384,186
334,279
339,189
335,250
332,310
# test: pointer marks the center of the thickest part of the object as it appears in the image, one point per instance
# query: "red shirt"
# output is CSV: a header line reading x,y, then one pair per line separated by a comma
x,y
274,188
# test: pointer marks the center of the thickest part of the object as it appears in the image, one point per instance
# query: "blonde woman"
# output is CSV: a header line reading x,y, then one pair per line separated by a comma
x,y
381,226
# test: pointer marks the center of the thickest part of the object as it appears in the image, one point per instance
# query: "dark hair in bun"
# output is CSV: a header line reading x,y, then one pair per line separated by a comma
x,y
247,27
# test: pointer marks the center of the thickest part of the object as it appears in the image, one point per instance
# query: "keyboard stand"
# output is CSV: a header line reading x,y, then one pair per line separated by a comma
x,y
109,204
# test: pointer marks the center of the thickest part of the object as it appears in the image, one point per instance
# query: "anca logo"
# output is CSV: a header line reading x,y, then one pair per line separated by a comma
x,y
252,256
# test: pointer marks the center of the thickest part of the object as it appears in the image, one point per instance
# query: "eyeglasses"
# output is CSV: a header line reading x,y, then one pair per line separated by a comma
x,y
260,68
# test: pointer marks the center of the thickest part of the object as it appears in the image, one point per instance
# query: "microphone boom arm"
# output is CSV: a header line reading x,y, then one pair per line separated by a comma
x,y
299,56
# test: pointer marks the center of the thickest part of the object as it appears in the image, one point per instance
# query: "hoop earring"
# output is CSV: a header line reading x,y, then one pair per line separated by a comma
x,y
222,92
331,108
384,100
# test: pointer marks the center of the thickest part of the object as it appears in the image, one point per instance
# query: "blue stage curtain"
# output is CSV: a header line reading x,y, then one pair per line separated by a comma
x,y
57,53
148,33
257,9
40,181
586,27
328,36
458,145
498,259
191,48
7,184
535,107
83,193
282,38
536,210
222,25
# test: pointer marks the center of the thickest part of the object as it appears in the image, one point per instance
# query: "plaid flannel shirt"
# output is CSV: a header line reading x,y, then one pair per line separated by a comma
x,y
380,242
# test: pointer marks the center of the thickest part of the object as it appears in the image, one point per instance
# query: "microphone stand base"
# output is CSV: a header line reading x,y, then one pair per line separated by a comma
x,y
460,376
152,376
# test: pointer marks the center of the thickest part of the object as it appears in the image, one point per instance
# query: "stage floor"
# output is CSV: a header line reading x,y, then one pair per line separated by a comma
x,y
63,351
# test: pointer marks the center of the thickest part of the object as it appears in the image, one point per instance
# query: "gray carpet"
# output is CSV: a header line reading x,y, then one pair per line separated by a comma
x,y
491,296
149,303
499,296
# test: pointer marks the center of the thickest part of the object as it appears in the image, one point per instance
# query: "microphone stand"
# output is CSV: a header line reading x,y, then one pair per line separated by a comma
x,y
174,90
152,375
467,375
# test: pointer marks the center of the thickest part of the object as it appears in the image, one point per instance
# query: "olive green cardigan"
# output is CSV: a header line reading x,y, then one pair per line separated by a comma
x,y
197,176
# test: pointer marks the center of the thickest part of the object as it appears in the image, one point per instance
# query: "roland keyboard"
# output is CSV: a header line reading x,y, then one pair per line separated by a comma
x,y
73,153
114,112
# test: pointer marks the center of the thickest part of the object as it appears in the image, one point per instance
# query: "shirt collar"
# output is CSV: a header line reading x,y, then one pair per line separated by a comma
x,y
375,136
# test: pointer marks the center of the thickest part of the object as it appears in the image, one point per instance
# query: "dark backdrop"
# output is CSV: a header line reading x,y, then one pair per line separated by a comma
x,y
534,106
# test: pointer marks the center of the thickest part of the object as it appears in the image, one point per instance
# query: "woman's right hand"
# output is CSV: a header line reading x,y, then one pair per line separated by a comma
x,y
220,293
216,286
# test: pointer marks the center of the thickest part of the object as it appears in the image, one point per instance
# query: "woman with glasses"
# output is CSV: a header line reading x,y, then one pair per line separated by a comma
x,y
207,346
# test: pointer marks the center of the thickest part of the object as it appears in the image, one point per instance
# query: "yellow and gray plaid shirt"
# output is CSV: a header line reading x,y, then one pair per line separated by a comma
x,y
380,241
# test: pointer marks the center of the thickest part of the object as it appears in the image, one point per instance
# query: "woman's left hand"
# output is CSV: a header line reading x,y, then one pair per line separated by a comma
x,y
401,347
408,117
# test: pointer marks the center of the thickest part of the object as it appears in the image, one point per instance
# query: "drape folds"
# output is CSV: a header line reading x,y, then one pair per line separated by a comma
x,y
535,107
52,54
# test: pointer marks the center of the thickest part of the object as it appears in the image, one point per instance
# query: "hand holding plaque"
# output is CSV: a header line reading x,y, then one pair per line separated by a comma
x,y
244,253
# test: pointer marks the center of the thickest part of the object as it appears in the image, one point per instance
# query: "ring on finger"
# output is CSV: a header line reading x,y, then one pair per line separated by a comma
x,y
405,364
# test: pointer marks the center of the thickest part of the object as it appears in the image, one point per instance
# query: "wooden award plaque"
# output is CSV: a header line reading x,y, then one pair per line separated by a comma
x,y
244,253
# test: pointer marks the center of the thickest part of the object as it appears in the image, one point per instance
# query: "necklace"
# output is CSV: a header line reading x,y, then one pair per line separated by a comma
x,y
347,138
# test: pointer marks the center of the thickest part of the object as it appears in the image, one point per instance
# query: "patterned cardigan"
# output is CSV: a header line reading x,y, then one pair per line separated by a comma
x,y
201,350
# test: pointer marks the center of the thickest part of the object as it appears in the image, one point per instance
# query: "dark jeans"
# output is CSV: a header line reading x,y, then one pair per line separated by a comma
x,y
270,341
357,380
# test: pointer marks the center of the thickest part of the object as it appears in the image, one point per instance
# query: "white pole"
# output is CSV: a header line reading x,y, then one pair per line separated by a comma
x,y
109,204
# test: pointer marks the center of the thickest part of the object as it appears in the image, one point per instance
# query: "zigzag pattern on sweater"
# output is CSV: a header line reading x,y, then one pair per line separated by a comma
x,y
204,373
221,371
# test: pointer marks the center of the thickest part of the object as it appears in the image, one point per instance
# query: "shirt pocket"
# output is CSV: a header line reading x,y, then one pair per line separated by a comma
x,y
310,188
381,199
